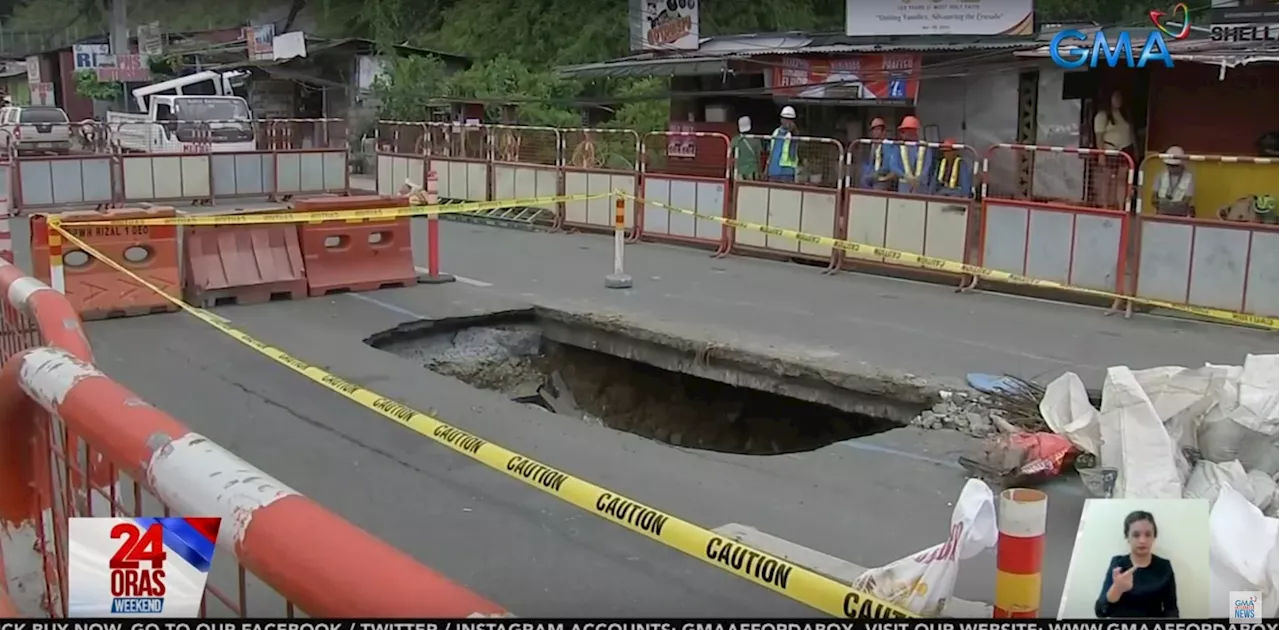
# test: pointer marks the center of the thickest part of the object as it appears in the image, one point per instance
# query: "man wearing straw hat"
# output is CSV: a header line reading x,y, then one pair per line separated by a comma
x,y
1175,186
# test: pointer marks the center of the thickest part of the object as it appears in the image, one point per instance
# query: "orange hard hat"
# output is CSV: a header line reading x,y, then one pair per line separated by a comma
x,y
910,122
877,122
949,143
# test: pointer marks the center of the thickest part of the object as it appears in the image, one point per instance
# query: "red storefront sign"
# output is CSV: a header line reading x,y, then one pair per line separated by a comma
x,y
881,77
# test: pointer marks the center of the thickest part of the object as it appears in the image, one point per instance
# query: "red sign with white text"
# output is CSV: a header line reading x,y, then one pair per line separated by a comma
x,y
880,77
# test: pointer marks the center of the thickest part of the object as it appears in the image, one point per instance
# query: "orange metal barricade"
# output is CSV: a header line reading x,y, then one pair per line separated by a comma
x,y
98,291
461,156
50,390
696,178
925,209
810,203
1046,223
401,154
356,256
596,161
526,162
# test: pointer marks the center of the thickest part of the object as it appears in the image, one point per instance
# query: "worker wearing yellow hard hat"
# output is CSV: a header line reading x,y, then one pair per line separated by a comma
x,y
783,150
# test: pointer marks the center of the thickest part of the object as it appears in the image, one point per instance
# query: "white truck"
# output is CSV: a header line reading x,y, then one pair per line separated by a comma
x,y
197,113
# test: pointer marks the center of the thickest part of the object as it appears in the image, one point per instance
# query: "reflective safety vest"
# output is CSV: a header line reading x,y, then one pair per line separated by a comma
x,y
950,179
877,153
906,161
785,158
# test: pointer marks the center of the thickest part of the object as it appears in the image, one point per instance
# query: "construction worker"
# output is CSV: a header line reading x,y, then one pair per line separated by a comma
x,y
874,170
783,152
746,152
1175,185
912,160
954,176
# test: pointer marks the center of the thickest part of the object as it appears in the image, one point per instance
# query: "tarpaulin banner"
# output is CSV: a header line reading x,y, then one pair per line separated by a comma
x,y
887,77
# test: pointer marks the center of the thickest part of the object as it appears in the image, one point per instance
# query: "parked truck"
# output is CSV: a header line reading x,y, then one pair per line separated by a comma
x,y
197,113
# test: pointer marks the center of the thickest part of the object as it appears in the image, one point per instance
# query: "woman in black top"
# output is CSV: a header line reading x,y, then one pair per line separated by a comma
x,y
1140,583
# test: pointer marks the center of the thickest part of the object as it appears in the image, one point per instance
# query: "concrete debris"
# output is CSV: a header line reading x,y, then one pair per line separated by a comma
x,y
970,413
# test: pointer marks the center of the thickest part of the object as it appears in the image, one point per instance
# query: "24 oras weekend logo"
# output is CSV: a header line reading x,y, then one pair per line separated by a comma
x,y
139,567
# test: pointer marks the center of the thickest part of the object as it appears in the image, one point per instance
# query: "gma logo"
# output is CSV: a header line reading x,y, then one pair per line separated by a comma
x,y
1070,49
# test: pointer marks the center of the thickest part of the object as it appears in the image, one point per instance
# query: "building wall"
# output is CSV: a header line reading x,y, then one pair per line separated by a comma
x,y
978,110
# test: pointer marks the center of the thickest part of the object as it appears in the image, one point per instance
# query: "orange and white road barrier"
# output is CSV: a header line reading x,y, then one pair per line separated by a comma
x,y
1020,517
432,197
619,278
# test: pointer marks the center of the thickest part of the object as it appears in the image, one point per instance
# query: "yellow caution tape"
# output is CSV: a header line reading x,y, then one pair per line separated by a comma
x,y
942,264
372,214
774,573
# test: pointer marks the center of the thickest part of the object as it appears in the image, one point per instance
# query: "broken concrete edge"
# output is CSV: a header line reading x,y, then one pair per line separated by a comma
x,y
884,383
832,567
898,398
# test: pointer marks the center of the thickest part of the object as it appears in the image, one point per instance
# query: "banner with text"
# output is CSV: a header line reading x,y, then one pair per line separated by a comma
x,y
937,17
887,77
664,24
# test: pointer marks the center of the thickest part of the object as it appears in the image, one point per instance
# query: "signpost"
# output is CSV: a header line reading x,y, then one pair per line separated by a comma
x,y
124,68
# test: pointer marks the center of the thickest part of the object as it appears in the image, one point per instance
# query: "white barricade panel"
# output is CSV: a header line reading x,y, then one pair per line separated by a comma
x,y
597,211
69,181
511,181
467,181
868,221
1164,260
947,225
1262,295
808,211
904,227
394,169
242,174
1219,263
704,197
311,171
165,177
751,205
1076,248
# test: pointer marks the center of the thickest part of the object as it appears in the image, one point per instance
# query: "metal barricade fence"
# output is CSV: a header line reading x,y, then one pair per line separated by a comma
x,y
152,465
690,171
594,161
401,150
156,163
1222,256
309,155
42,180
916,197
526,162
460,155
1045,224
806,200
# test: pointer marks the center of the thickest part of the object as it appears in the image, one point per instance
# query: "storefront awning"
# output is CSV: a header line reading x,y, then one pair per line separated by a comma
x,y
660,67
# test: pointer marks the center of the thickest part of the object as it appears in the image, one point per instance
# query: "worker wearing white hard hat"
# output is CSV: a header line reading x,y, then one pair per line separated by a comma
x,y
1175,185
746,152
783,150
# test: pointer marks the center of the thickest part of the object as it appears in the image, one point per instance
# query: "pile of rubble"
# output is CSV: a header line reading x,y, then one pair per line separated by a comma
x,y
971,413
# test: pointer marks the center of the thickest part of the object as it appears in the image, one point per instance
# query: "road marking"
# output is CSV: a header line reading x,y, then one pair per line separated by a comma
x,y
390,307
463,279
835,568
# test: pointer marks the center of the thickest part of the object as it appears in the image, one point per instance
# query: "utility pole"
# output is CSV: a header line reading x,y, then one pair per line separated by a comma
x,y
119,27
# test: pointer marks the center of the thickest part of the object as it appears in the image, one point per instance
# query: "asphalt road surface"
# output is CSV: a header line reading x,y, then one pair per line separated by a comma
x,y
869,501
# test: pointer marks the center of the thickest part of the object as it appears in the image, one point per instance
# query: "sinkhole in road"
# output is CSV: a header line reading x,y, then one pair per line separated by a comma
x,y
557,364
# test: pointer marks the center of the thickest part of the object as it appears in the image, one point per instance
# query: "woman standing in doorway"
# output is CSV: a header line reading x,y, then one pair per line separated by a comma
x,y
1112,131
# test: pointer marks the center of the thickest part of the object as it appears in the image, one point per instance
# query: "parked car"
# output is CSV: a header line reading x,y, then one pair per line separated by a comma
x,y
35,129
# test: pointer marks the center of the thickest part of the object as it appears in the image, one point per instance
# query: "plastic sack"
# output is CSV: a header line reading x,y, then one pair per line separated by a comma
x,y
1065,407
922,582
1243,554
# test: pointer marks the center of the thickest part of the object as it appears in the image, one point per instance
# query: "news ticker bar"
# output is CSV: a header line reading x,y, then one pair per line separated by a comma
x,y
616,624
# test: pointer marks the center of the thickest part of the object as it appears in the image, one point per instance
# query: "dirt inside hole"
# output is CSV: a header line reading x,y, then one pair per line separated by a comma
x,y
679,409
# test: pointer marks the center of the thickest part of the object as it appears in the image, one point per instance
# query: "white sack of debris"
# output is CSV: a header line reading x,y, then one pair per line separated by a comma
x,y
922,582
1227,414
